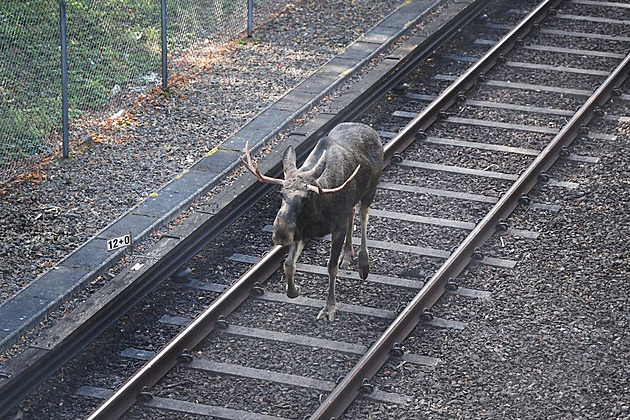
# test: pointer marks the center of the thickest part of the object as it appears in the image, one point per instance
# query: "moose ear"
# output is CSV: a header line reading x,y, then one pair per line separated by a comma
x,y
288,160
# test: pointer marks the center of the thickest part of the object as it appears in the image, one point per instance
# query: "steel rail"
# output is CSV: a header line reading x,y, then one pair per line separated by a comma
x,y
176,350
43,364
347,390
408,63
164,360
456,91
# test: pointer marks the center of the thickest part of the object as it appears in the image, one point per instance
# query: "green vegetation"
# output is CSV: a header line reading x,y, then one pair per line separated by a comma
x,y
111,44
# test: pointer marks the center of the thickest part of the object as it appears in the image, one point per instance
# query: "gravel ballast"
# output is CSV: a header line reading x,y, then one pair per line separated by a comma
x,y
551,342
48,212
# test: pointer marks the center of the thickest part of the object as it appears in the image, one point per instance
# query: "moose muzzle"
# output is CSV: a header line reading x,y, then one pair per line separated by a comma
x,y
283,232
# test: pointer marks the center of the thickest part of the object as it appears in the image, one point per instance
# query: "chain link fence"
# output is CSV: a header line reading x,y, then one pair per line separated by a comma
x,y
114,51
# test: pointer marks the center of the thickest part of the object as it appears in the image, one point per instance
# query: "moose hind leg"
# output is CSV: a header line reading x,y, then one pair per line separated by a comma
x,y
295,249
348,252
364,257
330,309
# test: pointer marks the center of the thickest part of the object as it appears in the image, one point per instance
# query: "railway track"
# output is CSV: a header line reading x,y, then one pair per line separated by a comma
x,y
469,139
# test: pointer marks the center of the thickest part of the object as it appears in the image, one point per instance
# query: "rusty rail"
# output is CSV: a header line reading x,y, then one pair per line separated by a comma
x,y
163,361
352,385
177,349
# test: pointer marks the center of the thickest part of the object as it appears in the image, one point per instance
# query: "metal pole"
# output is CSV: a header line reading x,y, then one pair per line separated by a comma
x,y
64,79
250,18
164,50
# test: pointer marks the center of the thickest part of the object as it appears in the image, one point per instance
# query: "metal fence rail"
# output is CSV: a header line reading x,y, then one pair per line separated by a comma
x,y
114,47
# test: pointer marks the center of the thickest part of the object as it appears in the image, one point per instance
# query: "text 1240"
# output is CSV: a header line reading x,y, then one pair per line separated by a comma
x,y
119,242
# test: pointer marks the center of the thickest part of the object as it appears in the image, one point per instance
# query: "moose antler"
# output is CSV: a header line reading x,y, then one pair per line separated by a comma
x,y
319,190
254,169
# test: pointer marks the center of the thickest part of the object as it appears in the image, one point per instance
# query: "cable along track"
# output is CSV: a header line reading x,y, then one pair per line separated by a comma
x,y
356,382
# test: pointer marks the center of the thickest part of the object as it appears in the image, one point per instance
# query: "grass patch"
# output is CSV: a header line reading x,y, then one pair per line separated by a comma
x,y
112,44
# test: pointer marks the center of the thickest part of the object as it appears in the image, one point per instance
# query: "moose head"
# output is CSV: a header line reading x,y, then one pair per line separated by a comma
x,y
298,187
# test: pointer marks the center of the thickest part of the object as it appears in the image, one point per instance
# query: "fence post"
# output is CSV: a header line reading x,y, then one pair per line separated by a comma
x,y
250,18
64,79
164,50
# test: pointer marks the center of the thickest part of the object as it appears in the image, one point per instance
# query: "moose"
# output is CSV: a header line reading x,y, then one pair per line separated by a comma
x,y
319,198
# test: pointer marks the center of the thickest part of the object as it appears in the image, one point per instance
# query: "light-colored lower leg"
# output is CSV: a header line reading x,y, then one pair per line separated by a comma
x,y
295,249
364,257
348,251
330,309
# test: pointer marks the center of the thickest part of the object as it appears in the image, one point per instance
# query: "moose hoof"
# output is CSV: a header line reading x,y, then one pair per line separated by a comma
x,y
364,271
346,260
328,312
293,292
364,264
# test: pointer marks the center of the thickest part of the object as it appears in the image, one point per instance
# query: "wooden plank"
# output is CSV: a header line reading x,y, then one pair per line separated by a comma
x,y
302,340
441,193
478,172
532,66
621,39
180,406
445,222
418,250
509,107
319,303
457,195
601,3
229,369
560,50
374,278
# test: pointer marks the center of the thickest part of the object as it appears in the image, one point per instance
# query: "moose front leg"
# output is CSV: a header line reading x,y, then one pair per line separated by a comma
x,y
348,252
364,257
330,309
295,249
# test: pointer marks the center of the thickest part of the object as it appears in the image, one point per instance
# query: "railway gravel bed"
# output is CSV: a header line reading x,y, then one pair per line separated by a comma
x,y
562,353
490,370
550,342
46,214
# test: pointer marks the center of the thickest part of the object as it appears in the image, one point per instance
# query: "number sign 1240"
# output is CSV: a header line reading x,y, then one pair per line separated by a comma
x,y
119,242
